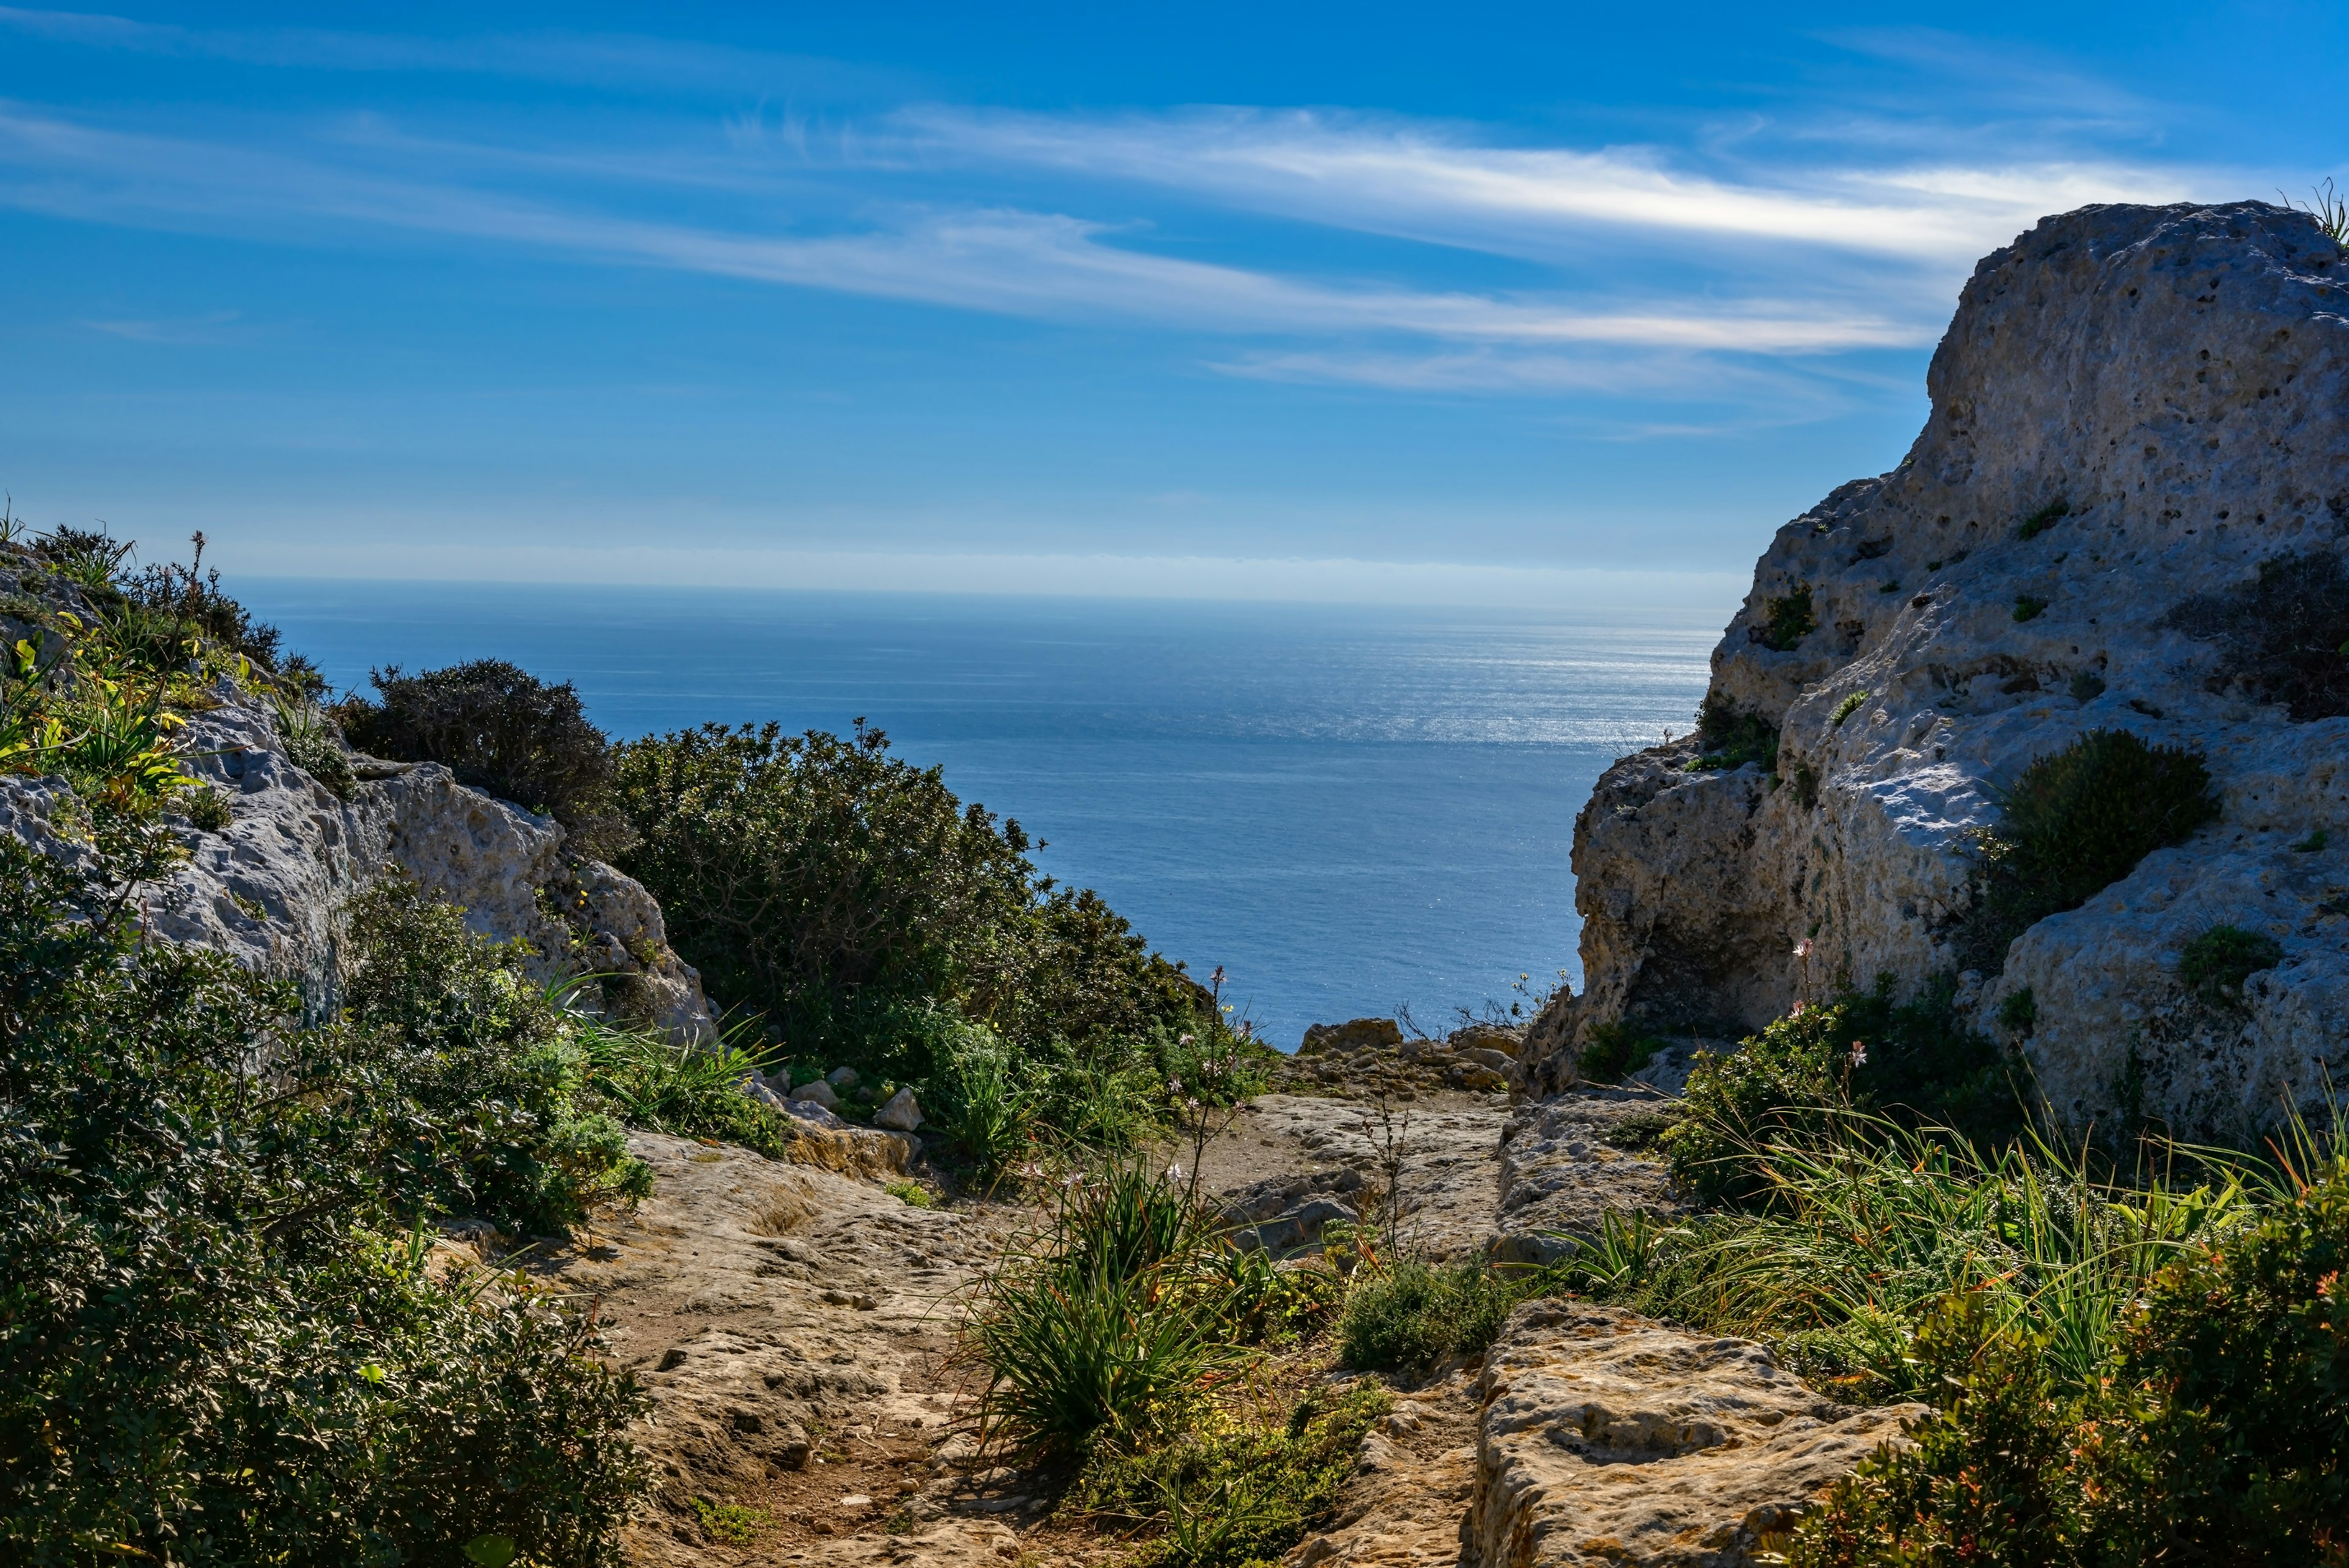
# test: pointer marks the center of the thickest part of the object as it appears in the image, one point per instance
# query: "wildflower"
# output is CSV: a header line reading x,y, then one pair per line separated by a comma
x,y
1216,978
1174,1085
1798,1012
1174,1173
1184,1040
1859,1052
1248,1029
1803,948
1191,1101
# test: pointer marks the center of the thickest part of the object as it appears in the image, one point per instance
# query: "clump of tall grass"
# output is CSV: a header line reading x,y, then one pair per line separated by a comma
x,y
1861,1226
1109,1330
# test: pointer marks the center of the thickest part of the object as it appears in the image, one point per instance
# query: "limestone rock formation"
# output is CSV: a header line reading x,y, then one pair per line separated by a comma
x,y
1610,1438
2137,413
269,886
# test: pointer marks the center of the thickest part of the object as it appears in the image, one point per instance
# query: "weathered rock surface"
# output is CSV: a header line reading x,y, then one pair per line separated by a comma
x,y
1370,1056
2176,379
1610,1438
270,887
1563,1167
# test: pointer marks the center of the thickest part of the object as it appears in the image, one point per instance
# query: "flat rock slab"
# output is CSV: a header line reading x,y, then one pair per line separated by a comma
x,y
1609,1438
1562,1171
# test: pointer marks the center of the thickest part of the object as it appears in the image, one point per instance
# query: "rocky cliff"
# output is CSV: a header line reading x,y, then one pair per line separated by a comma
x,y
2130,495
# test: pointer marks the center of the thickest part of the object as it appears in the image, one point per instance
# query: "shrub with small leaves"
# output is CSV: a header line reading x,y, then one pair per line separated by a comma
x,y
2076,821
2215,964
1788,619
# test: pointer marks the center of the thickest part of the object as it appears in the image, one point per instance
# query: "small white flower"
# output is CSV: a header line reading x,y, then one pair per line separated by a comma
x,y
1803,948
1797,1011
1859,1052
1174,1173
1185,1040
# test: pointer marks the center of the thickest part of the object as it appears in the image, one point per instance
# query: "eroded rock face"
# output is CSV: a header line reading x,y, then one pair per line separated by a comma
x,y
2134,409
270,887
1610,1438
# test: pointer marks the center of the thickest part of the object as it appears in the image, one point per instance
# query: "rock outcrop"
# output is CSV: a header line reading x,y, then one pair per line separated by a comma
x,y
269,887
1610,1438
2137,413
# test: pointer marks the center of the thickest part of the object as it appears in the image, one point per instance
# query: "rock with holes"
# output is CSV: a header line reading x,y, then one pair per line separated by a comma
x,y
1607,1438
2127,511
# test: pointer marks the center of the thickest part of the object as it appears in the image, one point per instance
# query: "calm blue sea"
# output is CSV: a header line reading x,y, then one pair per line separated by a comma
x,y
1351,809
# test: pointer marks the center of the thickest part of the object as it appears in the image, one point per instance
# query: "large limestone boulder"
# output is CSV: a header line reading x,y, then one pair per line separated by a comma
x,y
2135,410
1607,1438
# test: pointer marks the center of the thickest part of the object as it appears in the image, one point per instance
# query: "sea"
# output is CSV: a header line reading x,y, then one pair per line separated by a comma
x,y
1353,810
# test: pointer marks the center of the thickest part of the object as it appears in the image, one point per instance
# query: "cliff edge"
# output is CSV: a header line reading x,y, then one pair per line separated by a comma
x,y
2127,511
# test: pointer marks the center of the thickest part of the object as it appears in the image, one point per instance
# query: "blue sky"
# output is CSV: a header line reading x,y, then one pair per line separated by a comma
x,y
1522,304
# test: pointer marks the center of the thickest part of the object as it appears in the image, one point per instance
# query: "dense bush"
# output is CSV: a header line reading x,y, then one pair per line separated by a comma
x,y
837,889
1409,1315
498,729
2280,635
2076,821
214,1345
1611,1050
1916,1062
2219,1432
1788,619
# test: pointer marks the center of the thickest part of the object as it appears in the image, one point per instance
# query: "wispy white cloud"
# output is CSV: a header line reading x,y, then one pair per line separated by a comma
x,y
1003,260
1439,182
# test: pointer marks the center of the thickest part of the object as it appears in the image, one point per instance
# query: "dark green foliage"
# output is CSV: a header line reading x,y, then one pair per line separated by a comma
x,y
2086,686
1412,1314
2076,821
1641,1130
2046,517
1728,736
207,807
498,729
484,1059
215,1347
1787,621
1914,1062
1611,1050
2216,963
2027,606
845,894
2311,844
2019,1012
1233,1494
2284,635
2220,1434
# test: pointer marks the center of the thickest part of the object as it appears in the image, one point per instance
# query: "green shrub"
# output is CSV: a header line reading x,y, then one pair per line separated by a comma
x,y
1915,1063
2085,686
2028,607
2281,636
2216,1432
215,1348
2046,517
1728,736
1611,1050
1787,621
1412,1314
1852,703
2215,964
488,1059
498,729
2019,1012
207,807
1233,1492
2076,821
856,902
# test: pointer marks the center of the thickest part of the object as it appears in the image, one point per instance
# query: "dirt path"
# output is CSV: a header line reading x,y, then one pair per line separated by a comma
x,y
795,1327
